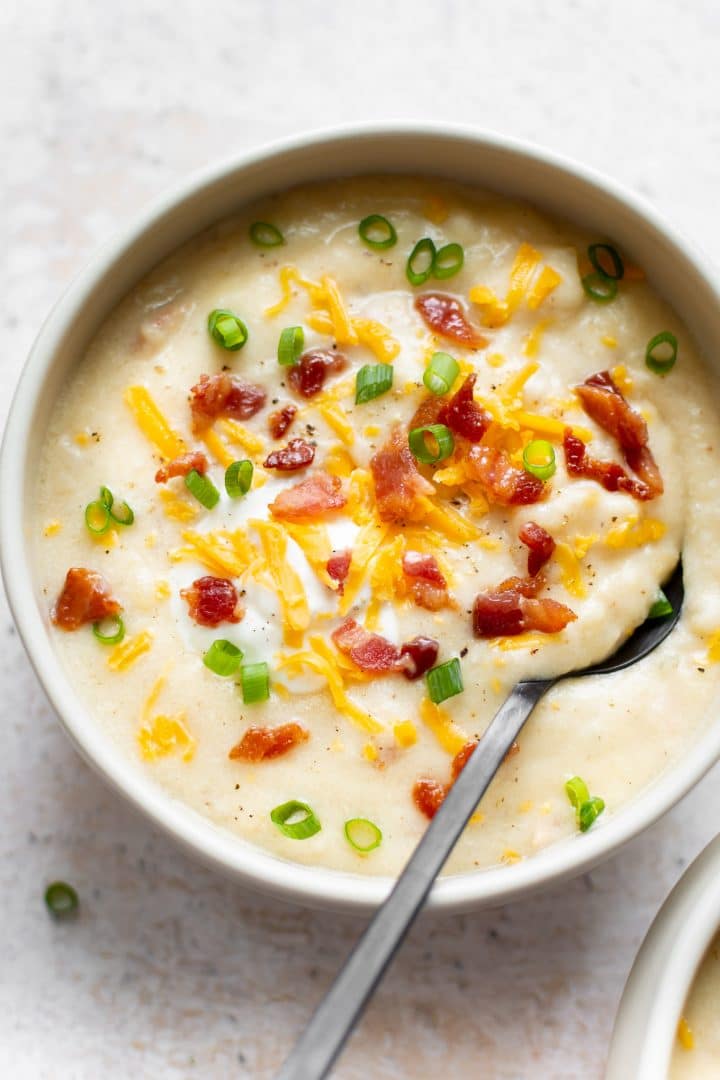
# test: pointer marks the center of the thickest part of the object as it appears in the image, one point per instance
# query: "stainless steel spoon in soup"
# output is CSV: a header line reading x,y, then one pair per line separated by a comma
x,y
335,1017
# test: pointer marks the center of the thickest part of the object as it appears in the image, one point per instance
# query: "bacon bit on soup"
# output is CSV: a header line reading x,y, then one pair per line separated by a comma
x,y
263,743
319,494
85,598
446,316
181,466
371,652
308,376
419,655
513,609
429,795
298,454
461,758
338,567
463,415
429,587
608,473
280,420
604,403
224,395
398,484
540,543
213,600
503,482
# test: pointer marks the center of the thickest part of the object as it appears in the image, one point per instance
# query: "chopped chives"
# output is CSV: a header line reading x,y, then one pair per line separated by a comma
x,y
122,514
106,497
599,287
264,234
431,444
587,808
444,681
115,636
577,792
663,361
421,261
448,261
61,899
377,232
290,824
371,381
661,607
589,812
255,682
362,835
238,478
97,517
223,658
539,459
441,373
598,254
290,345
227,329
202,488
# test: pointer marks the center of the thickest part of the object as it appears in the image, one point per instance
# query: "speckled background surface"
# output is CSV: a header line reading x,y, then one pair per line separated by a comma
x,y
171,971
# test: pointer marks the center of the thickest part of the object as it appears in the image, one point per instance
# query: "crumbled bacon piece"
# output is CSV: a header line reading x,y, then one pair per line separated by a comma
x,y
213,600
181,466
224,395
446,316
502,481
280,420
540,543
429,587
608,473
429,795
298,454
308,376
338,567
319,494
398,484
262,743
419,655
461,758
603,401
427,412
371,652
513,608
85,598
463,415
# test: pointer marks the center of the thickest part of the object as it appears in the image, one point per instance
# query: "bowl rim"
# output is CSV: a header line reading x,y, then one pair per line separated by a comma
x,y
312,885
663,972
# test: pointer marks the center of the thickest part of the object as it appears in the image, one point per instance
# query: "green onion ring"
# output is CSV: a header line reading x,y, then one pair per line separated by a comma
x,y
661,365
539,459
290,345
362,835
255,682
448,261
202,488
266,235
61,899
227,329
576,791
373,223
223,658
371,381
295,830
110,639
594,252
122,514
97,517
589,812
106,497
418,443
238,478
661,607
441,373
444,681
424,249
599,287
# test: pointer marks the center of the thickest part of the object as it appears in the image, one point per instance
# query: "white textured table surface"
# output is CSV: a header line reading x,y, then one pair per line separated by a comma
x,y
171,971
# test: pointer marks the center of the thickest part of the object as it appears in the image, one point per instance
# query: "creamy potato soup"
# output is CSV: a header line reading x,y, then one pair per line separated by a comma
x,y
697,1050
345,468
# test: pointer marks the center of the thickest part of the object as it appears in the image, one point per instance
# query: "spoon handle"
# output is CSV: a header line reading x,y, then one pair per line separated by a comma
x,y
334,1018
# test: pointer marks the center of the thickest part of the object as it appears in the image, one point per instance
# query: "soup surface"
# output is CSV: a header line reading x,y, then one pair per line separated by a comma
x,y
697,1051
461,461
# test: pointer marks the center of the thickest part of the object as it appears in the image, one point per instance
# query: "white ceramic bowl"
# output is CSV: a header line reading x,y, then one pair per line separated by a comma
x,y
651,1006
493,161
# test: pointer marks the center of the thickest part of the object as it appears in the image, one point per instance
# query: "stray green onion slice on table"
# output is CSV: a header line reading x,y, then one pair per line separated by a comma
x,y
431,444
227,329
444,681
238,478
362,835
377,232
304,825
441,373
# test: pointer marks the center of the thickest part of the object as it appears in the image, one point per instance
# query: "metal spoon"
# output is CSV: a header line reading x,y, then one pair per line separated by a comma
x,y
335,1017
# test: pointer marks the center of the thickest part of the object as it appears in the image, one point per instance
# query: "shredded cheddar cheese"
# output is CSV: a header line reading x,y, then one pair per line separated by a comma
x,y
124,655
405,734
545,283
176,506
435,209
370,752
52,528
152,423
622,379
685,1035
335,417
531,345
326,667
224,553
217,448
164,735
289,587
249,442
377,338
451,737
632,533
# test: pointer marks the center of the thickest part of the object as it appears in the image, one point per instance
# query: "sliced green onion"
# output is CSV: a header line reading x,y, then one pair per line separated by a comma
x,y
202,488
589,811
121,513
238,478
223,658
444,681
113,638
290,345
577,792
371,381
599,287
61,899
421,261
539,459
661,607
227,329
363,835
596,251
441,373
431,444
106,497
97,517
664,362
264,234
448,261
255,682
377,232
302,827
